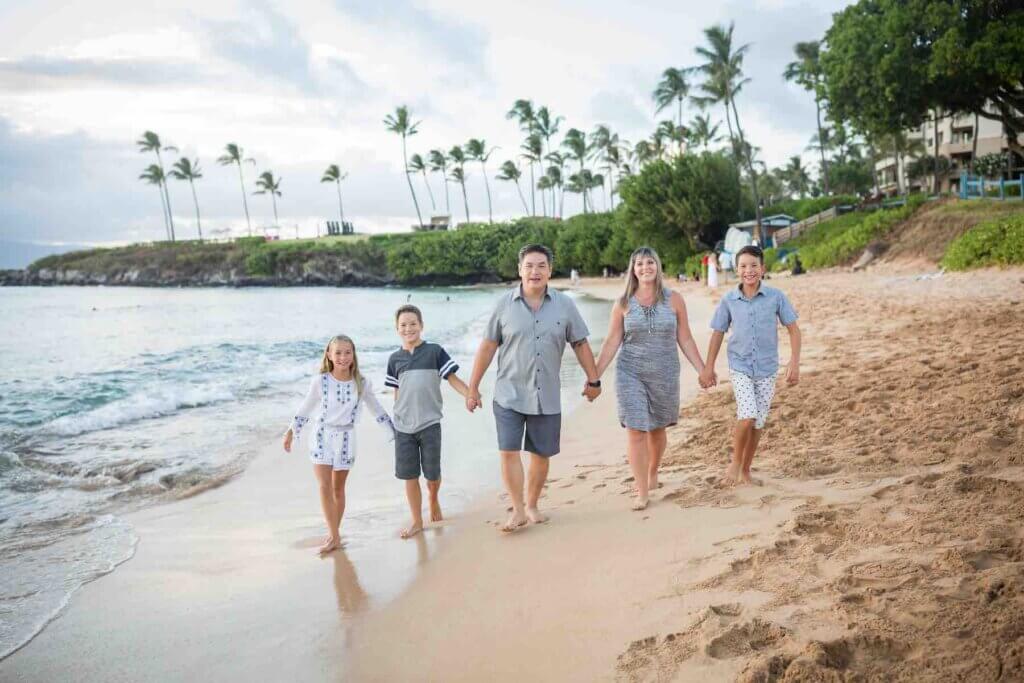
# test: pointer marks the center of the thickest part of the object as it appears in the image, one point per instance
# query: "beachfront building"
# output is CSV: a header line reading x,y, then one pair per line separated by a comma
x,y
769,226
436,223
957,146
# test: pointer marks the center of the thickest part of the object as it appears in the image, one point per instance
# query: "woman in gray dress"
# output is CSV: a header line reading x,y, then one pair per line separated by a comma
x,y
647,323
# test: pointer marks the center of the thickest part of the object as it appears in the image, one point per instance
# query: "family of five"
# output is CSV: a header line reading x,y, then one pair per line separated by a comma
x,y
528,331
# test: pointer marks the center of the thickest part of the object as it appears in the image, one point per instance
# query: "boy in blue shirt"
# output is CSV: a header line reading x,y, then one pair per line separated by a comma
x,y
751,310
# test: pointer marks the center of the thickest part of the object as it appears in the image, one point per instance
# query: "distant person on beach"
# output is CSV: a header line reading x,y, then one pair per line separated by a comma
x,y
574,277
415,372
712,270
751,310
647,322
335,397
529,329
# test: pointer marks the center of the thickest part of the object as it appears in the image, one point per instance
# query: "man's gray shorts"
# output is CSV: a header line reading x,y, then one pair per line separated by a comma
x,y
419,451
543,432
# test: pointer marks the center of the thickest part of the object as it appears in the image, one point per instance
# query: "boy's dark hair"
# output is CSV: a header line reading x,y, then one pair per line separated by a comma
x,y
536,249
408,308
753,250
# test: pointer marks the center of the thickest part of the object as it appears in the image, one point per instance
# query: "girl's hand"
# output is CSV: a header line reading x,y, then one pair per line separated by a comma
x,y
288,441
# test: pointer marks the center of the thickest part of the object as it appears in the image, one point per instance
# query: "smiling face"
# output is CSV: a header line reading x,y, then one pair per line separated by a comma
x,y
750,270
342,355
535,271
409,328
646,269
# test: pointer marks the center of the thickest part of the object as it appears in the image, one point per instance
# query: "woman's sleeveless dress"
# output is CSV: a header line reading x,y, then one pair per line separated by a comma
x,y
647,369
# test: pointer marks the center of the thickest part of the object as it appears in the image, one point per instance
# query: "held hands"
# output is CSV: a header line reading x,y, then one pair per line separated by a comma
x,y
288,441
591,392
707,378
793,374
473,400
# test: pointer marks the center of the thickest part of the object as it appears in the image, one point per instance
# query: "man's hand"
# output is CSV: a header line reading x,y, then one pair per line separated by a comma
x,y
591,392
473,400
793,374
287,441
708,378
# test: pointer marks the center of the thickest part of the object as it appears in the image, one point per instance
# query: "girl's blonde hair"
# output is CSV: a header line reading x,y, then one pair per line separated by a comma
x,y
632,283
327,365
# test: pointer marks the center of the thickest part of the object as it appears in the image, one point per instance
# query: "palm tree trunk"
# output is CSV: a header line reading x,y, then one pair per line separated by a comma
x,y
245,202
974,145
199,226
341,207
433,206
447,198
465,200
680,116
522,197
273,201
753,175
533,196
163,210
821,146
167,195
405,159
935,149
487,186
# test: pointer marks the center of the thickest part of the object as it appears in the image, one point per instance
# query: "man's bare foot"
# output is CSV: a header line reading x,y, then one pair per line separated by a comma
x,y
412,530
330,545
515,521
435,512
535,516
640,504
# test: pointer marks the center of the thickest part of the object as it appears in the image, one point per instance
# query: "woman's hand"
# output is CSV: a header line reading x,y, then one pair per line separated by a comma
x,y
287,441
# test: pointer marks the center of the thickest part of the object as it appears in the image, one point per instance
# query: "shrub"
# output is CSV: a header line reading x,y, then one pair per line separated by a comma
x,y
805,208
995,242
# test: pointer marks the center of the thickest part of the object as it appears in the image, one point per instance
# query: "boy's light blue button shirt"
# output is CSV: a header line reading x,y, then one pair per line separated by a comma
x,y
754,342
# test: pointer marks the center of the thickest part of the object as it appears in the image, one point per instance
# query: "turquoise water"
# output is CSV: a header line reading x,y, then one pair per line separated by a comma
x,y
119,398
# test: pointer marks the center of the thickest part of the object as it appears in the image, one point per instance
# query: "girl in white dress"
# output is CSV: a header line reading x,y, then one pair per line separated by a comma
x,y
335,397
712,270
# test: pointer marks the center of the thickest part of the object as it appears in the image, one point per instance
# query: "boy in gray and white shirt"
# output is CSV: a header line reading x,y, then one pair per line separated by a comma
x,y
415,372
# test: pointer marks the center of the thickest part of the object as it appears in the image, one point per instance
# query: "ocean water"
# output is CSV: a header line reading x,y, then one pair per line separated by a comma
x,y
112,399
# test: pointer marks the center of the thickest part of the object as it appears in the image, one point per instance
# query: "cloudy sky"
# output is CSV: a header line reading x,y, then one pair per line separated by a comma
x,y
303,84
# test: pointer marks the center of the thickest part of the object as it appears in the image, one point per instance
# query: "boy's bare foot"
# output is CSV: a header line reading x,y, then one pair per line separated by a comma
x,y
435,512
515,521
729,478
412,530
535,516
640,504
745,478
330,545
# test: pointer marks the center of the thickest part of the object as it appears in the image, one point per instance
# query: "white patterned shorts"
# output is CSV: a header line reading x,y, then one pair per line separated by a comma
x,y
334,447
753,397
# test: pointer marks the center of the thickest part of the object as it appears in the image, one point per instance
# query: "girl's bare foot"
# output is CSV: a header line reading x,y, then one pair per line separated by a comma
x,y
435,512
515,521
535,516
652,481
640,504
330,545
412,530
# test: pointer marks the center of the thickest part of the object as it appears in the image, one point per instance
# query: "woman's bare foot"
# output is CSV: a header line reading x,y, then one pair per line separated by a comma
x,y
435,512
332,544
640,504
412,530
515,521
535,516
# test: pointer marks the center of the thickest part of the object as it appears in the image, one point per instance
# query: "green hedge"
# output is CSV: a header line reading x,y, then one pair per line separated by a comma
x,y
998,242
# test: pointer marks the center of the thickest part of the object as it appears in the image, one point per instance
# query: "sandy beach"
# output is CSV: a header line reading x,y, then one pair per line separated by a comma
x,y
883,542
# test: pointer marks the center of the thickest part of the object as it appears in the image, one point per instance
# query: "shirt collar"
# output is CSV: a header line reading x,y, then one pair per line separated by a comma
x,y
517,293
738,292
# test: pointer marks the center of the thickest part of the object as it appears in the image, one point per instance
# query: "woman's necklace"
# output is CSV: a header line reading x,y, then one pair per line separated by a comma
x,y
648,312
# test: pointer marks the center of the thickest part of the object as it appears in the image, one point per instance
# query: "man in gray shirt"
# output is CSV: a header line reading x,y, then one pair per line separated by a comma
x,y
529,329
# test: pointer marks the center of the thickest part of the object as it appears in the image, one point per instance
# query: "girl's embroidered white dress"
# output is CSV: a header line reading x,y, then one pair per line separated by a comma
x,y
336,404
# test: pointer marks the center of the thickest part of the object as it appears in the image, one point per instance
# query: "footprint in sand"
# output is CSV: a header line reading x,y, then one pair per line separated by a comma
x,y
746,638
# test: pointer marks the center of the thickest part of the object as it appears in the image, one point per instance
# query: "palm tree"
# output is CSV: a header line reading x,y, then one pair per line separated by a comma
x,y
477,149
533,152
723,68
188,170
643,152
233,155
417,165
459,173
150,142
557,174
522,111
702,132
668,130
334,175
154,175
401,123
613,161
510,172
269,185
601,139
575,142
806,71
439,164
796,176
672,88
547,126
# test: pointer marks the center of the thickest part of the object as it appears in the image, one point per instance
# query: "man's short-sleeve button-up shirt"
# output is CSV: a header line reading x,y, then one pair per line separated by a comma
x,y
754,341
530,347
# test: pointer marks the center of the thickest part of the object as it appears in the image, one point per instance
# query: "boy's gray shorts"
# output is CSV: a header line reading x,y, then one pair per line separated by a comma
x,y
543,432
419,451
